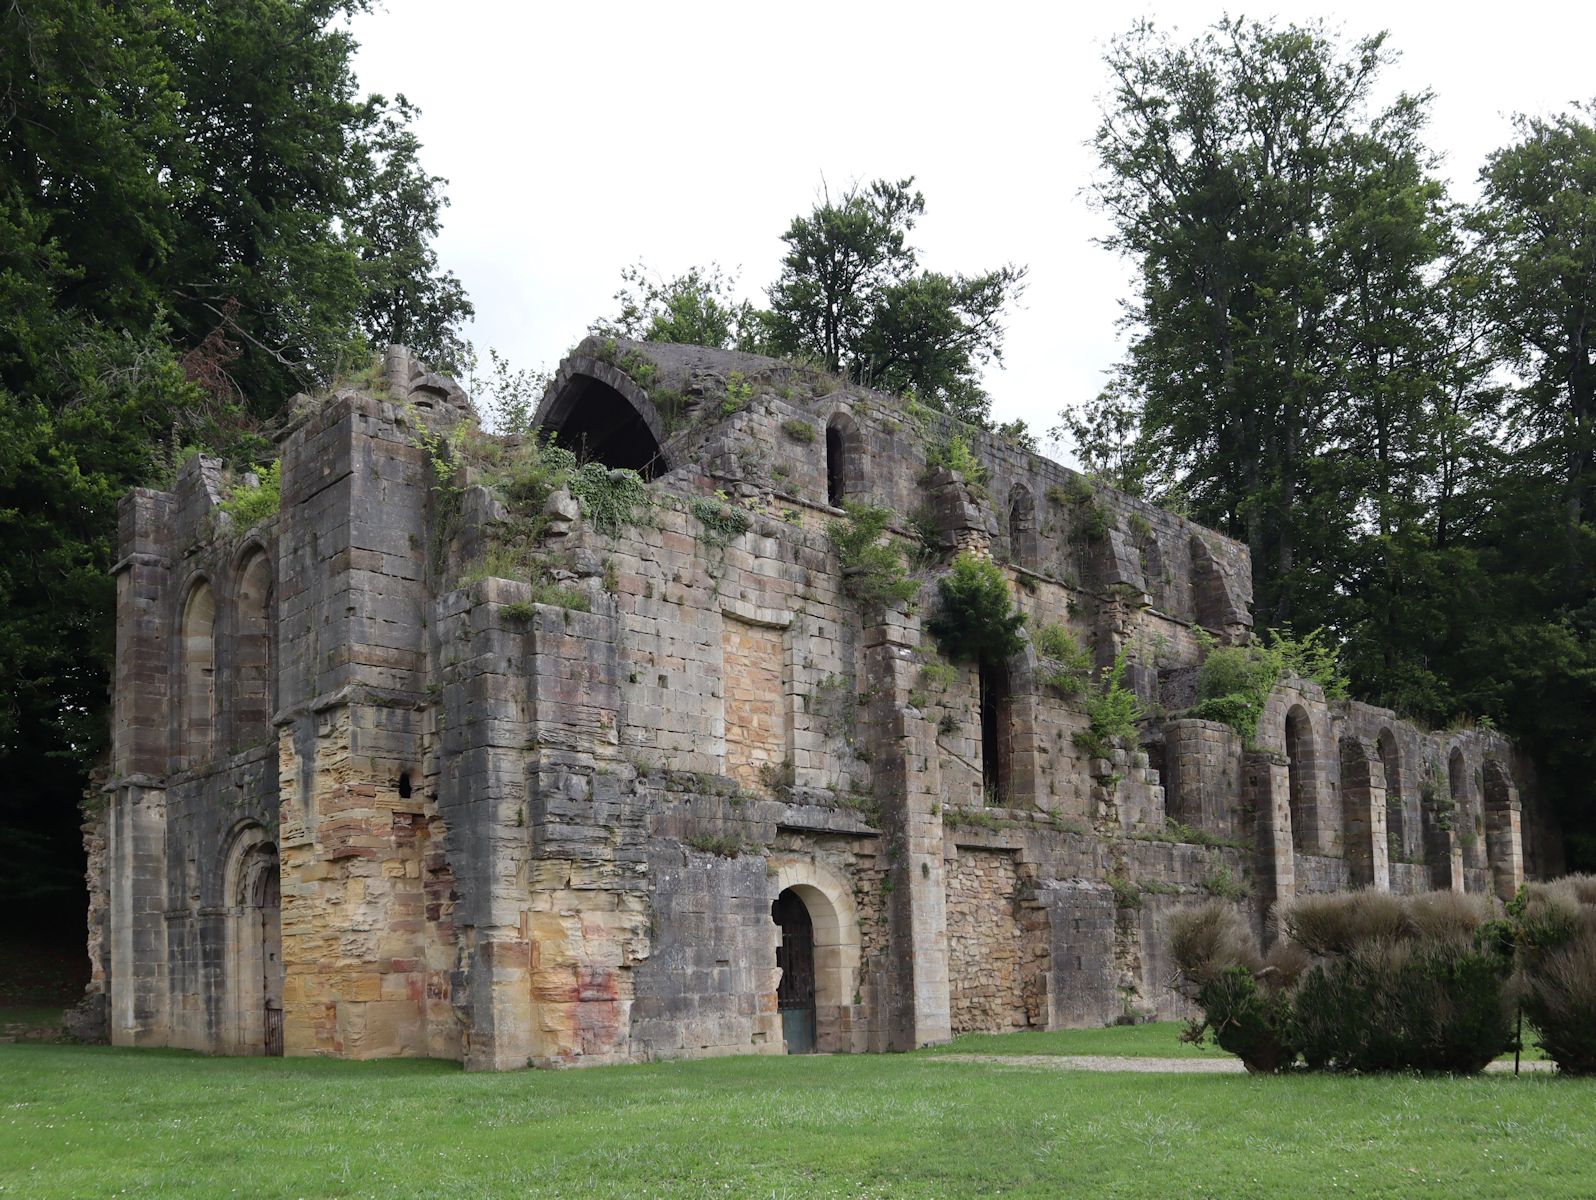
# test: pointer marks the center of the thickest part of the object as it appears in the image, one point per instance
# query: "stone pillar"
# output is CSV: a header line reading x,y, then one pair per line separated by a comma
x,y
908,788
134,830
1266,787
1505,840
587,917
1201,776
354,829
136,863
484,722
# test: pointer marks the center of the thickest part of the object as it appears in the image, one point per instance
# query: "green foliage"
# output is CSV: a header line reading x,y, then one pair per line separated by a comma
x,y
721,522
200,215
851,295
726,845
739,391
952,450
873,570
798,430
1554,931
611,497
1221,881
1313,656
1113,712
250,504
699,308
1233,685
1234,682
976,618
1070,665
1126,892
537,468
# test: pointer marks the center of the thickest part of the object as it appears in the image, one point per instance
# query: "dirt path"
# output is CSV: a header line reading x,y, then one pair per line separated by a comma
x,y
1179,1066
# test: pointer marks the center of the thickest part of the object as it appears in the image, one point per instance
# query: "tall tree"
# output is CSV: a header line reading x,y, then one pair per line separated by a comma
x,y
192,201
1245,175
852,295
1537,227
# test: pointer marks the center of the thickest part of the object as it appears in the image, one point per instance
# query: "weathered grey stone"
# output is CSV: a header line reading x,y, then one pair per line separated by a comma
x,y
365,797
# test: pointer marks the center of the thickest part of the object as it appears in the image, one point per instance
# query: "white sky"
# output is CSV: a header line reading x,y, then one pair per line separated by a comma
x,y
579,138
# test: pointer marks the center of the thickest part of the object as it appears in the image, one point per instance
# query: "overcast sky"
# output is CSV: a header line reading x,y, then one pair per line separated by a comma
x,y
579,138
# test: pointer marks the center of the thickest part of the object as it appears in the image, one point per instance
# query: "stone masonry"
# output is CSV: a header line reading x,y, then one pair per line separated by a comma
x,y
442,760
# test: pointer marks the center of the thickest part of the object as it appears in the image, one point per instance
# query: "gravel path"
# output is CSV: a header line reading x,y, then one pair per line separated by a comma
x,y
1179,1066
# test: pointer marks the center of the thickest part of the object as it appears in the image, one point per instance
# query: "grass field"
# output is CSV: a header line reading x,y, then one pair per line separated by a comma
x,y
92,1121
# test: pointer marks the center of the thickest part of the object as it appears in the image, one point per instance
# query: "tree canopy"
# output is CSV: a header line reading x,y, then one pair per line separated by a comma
x,y
199,216
851,296
1387,395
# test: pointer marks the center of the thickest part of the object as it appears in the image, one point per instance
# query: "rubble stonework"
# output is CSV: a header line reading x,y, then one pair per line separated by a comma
x,y
368,798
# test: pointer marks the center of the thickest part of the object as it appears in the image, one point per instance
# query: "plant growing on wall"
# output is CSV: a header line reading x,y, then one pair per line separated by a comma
x,y
873,570
1069,663
610,497
976,618
1234,682
1113,711
250,504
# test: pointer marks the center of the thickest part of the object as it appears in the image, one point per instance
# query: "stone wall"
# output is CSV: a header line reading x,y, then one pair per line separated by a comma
x,y
986,950
543,820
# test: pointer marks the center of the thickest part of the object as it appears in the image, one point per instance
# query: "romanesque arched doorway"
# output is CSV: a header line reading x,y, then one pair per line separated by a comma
x,y
795,957
814,910
254,945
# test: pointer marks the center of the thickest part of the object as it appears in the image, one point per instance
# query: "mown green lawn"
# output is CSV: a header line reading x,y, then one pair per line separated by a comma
x,y
91,1121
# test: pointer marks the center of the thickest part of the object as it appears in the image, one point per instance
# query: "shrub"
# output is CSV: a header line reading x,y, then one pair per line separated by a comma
x,y
249,505
1365,982
1556,951
954,453
611,498
1071,662
1245,996
1401,983
533,472
976,618
1234,682
873,570
722,524
1404,1004
1113,711
1233,685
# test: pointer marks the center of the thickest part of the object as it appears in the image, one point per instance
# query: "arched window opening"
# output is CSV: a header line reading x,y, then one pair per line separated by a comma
x,y
795,956
254,676
1301,768
1396,822
1358,813
844,460
1503,836
996,733
1467,825
1023,547
601,425
404,785
198,688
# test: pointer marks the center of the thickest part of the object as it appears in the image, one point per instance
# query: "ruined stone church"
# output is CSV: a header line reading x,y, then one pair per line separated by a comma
x,y
657,784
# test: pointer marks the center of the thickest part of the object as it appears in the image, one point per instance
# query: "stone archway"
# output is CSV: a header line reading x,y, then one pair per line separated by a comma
x,y
253,1022
597,410
834,932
